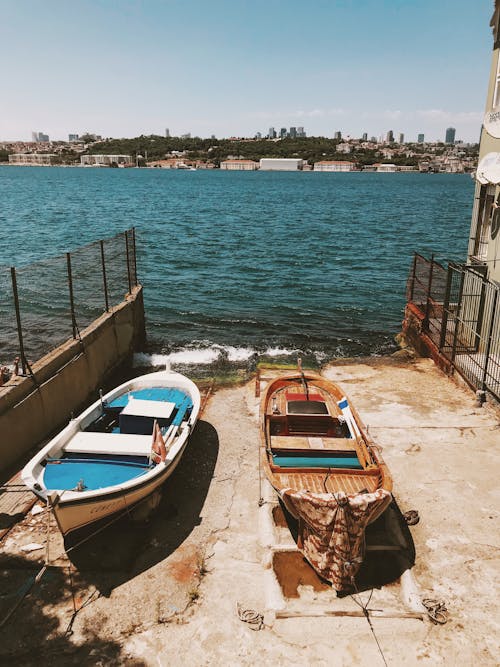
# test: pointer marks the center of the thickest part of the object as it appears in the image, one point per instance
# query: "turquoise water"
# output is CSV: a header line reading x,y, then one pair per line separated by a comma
x,y
234,263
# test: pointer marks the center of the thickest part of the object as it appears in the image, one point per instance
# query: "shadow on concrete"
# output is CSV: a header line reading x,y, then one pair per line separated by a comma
x,y
126,548
31,632
389,552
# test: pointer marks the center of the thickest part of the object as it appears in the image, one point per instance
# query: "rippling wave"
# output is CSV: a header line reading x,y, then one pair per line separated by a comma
x,y
238,264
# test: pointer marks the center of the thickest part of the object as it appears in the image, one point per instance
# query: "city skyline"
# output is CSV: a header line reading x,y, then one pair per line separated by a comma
x,y
238,68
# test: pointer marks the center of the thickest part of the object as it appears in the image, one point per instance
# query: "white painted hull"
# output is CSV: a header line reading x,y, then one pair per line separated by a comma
x,y
75,509
71,515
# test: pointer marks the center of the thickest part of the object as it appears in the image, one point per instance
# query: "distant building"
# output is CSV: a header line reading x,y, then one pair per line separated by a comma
x,y
365,136
73,137
272,133
186,136
212,136
104,160
239,165
32,158
300,132
344,148
283,133
385,167
390,137
334,165
280,164
258,135
167,133
450,135
401,138
293,133
420,138
40,137
338,136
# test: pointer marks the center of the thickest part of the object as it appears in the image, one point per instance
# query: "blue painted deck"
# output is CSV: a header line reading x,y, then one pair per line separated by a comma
x,y
95,473
167,394
317,462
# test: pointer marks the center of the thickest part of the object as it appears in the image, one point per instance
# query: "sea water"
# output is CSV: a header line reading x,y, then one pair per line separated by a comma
x,y
235,264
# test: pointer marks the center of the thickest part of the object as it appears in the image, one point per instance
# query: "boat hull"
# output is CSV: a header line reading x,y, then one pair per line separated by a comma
x,y
329,474
109,448
75,515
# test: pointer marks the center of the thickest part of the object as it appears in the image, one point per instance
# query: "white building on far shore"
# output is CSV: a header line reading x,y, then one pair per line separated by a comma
x,y
104,160
385,167
334,165
32,158
239,165
280,164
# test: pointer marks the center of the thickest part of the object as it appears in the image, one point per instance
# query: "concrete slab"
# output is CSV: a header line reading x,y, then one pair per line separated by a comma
x,y
176,599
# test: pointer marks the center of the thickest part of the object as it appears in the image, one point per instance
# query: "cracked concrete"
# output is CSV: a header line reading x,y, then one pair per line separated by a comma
x,y
200,555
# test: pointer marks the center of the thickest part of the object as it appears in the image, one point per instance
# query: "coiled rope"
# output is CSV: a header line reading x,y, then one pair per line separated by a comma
x,y
436,610
250,616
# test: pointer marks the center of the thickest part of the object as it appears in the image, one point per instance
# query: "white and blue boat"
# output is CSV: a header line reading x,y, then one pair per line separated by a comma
x,y
118,452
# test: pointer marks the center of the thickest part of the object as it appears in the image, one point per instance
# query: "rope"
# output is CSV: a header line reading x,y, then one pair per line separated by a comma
x,y
250,616
69,630
436,610
366,612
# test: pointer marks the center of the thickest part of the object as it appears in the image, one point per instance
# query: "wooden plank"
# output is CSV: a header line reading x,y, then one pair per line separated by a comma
x,y
378,613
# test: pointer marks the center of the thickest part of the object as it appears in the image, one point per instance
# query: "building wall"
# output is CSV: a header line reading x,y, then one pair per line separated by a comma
x,y
488,144
280,164
239,165
32,158
67,379
334,166
105,159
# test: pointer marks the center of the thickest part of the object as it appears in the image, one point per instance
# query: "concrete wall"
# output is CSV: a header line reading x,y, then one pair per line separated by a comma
x,y
67,379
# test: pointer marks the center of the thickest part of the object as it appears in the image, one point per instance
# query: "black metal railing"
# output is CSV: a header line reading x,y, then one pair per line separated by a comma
x,y
460,310
48,302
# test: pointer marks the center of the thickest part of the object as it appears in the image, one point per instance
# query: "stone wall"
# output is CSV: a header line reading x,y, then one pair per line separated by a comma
x,y
67,379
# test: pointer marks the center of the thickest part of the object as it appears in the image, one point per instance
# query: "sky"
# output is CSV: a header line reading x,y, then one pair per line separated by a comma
x,y
122,68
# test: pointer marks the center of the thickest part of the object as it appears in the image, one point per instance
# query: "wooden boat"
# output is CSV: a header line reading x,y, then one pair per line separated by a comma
x,y
116,453
327,471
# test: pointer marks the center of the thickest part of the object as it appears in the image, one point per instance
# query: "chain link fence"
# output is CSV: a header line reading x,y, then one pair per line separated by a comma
x,y
48,302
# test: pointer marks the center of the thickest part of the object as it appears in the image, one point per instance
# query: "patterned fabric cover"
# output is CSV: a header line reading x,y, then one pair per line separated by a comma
x,y
332,530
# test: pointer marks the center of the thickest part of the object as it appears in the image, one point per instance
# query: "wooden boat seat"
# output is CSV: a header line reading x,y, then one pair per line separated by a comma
x,y
322,426
116,444
281,443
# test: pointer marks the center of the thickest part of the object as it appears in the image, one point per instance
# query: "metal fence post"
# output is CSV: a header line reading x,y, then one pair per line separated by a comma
x,y
18,319
128,265
104,280
490,337
412,290
446,305
459,306
71,300
429,287
135,256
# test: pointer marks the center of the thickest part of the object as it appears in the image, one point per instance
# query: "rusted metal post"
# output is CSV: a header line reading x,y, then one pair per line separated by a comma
x,y
135,256
104,279
71,299
429,287
128,264
18,319
413,277
490,337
